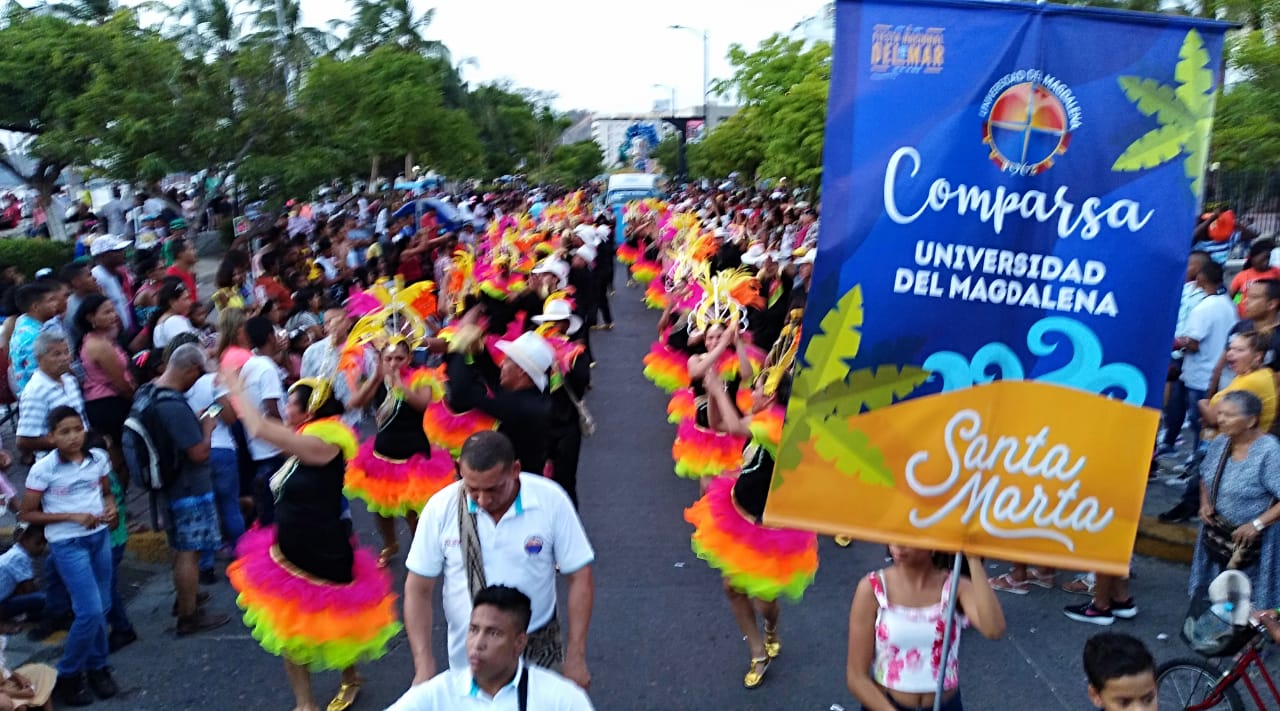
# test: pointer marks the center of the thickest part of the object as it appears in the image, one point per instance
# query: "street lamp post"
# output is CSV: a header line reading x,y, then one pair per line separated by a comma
x,y
672,89
706,67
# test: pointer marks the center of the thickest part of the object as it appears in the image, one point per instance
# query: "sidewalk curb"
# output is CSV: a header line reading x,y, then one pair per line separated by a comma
x,y
1174,542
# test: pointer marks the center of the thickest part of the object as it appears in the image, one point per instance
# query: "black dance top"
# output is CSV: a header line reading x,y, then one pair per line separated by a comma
x,y
309,526
751,490
400,433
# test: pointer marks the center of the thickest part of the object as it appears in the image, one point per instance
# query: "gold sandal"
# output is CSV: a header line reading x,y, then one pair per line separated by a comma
x,y
755,678
772,645
346,695
385,556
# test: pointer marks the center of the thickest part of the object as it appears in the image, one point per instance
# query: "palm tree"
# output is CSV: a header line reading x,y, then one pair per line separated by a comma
x,y
378,23
296,46
88,11
204,26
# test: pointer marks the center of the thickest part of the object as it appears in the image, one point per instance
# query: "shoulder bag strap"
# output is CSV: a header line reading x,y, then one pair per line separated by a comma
x,y
1217,477
469,537
522,689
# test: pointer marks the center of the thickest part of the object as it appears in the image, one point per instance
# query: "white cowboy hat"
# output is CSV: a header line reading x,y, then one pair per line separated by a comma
x,y
560,310
553,266
532,353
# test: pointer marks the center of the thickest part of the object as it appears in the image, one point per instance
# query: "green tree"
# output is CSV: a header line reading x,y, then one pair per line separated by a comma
x,y
783,87
572,165
1246,134
377,23
387,103
517,128
81,94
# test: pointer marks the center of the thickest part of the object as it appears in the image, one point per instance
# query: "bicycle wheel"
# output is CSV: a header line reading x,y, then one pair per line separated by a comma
x,y
1186,684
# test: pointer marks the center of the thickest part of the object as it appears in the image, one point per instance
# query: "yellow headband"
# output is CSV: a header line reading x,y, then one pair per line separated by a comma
x,y
321,389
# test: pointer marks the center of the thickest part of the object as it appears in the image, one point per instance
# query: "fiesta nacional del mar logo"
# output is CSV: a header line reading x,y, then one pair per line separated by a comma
x,y
1029,117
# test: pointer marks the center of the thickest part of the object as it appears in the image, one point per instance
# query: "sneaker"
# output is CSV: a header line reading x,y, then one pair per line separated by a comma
x,y
1124,609
208,577
119,639
1090,614
1164,450
73,690
100,681
200,622
1179,513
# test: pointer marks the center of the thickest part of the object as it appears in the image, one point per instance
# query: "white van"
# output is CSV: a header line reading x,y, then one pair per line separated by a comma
x,y
625,187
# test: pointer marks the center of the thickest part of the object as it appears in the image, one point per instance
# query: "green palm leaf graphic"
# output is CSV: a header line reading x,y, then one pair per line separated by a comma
x,y
828,350
1184,114
851,452
868,389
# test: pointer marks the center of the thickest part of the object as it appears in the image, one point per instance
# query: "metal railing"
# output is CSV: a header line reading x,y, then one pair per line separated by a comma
x,y
1253,194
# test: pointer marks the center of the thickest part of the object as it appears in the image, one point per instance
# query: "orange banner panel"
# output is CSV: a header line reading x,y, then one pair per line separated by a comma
x,y
1019,470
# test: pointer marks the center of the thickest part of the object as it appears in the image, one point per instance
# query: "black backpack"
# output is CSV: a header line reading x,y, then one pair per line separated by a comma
x,y
149,452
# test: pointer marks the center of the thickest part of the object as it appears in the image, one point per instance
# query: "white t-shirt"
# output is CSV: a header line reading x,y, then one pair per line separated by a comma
x,y
201,395
169,328
69,488
454,689
262,381
539,532
1208,323
16,568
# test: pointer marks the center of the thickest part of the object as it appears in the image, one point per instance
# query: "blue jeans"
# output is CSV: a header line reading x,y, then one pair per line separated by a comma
x,y
262,497
57,603
117,616
84,563
226,494
30,604
1182,400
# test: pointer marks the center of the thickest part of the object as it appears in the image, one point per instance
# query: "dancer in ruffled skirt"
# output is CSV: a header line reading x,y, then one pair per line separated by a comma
x,y
308,593
760,564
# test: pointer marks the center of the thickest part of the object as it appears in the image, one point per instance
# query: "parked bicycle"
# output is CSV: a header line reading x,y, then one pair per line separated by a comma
x,y
1226,630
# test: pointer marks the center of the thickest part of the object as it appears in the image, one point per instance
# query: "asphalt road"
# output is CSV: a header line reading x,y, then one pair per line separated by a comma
x,y
662,636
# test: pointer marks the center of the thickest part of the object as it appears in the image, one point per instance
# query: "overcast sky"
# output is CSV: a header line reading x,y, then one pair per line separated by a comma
x,y
601,55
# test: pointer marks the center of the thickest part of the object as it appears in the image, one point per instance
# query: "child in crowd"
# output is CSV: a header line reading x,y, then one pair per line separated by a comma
x,y
122,633
1121,673
69,493
199,318
19,596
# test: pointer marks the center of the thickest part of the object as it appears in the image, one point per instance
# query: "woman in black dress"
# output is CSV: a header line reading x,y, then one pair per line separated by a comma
x,y
309,594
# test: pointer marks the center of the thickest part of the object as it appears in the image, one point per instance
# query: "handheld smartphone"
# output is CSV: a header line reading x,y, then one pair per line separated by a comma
x,y
214,410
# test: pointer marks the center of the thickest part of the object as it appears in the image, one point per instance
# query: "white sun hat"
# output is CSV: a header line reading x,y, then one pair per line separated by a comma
x,y
560,310
532,353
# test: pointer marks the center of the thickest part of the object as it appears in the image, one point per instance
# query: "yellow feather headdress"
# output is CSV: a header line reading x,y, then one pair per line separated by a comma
x,y
783,354
724,299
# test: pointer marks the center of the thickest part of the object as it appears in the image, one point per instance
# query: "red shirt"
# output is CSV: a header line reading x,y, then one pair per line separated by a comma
x,y
1247,277
187,278
271,288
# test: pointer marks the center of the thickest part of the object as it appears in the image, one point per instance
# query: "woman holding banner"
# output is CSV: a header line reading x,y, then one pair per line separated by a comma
x,y
1240,497
896,628
759,563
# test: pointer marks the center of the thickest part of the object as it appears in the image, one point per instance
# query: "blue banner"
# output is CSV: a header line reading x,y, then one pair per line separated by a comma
x,y
1009,194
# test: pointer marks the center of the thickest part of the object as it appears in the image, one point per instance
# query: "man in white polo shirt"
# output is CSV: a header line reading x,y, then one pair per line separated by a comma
x,y
496,677
524,528
51,385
